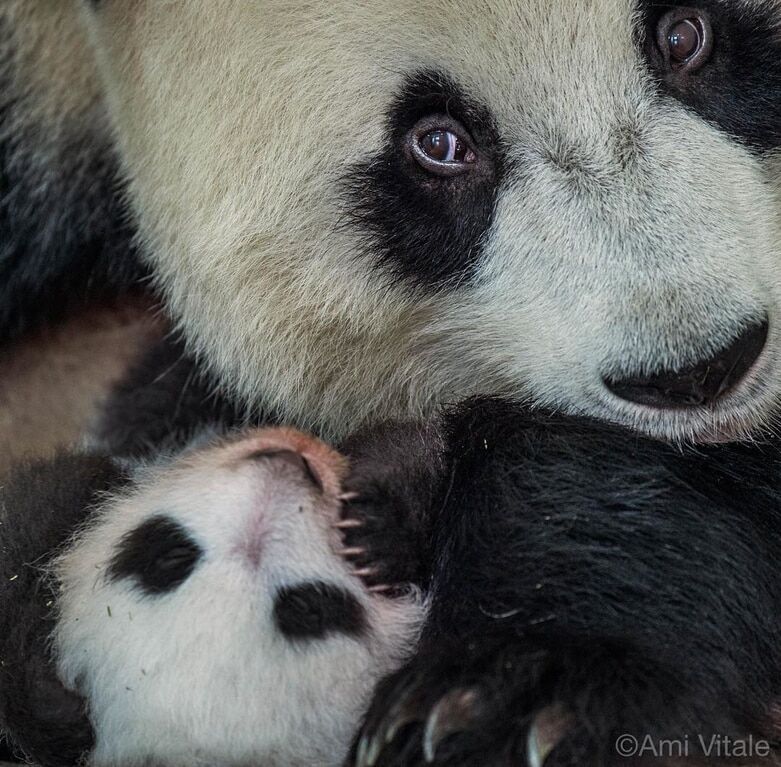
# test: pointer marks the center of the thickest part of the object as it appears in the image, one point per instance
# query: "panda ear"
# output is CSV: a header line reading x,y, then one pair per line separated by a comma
x,y
45,721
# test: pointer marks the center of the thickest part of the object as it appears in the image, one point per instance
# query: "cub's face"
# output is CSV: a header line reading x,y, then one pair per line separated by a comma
x,y
209,610
365,209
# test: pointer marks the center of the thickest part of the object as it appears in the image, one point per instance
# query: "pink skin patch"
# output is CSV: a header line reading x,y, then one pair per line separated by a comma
x,y
253,543
326,466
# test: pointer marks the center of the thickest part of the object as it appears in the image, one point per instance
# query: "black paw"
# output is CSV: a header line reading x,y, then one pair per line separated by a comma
x,y
382,549
413,723
473,706
386,507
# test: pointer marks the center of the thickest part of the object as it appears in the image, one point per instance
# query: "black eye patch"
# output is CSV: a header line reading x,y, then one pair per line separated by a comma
x,y
158,554
313,610
425,230
739,89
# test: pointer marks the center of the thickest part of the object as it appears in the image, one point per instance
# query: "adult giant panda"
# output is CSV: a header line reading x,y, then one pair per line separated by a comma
x,y
356,211
359,211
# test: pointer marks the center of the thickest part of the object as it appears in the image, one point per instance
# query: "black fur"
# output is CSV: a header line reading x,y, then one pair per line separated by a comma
x,y
398,473
428,230
65,234
576,565
314,610
40,506
739,89
163,401
158,556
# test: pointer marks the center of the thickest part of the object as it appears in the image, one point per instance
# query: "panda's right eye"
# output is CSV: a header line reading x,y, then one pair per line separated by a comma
x,y
159,555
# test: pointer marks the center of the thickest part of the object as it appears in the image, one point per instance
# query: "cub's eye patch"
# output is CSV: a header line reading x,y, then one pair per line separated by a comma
x,y
313,610
158,554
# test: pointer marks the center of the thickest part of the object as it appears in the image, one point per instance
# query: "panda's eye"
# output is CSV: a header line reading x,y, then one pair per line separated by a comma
x,y
445,146
685,39
442,147
158,555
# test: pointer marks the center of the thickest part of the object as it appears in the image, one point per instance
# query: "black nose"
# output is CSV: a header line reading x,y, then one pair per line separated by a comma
x,y
700,384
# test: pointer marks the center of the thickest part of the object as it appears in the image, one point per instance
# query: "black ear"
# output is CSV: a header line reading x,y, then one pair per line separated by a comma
x,y
41,505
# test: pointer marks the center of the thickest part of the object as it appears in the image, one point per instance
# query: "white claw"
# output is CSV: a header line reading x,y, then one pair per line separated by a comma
x,y
347,497
379,589
365,572
400,722
452,714
534,756
369,751
352,551
348,524
363,748
547,731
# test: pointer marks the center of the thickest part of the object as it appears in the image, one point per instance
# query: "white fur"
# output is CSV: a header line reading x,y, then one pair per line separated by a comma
x,y
630,234
201,676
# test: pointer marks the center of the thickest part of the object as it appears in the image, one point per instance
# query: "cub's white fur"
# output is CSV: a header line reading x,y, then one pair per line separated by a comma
x,y
201,675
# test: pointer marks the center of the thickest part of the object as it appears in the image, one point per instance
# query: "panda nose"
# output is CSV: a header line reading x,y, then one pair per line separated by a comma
x,y
700,384
289,457
307,455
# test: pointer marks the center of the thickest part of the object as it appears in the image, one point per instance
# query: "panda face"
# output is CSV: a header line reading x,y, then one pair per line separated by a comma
x,y
206,615
362,210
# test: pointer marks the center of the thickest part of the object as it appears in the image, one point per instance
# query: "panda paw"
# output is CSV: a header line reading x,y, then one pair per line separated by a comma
x,y
440,712
380,547
394,481
416,722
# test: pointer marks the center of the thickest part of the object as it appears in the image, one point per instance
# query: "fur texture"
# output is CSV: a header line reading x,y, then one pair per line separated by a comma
x,y
165,399
39,509
634,227
201,615
65,235
573,568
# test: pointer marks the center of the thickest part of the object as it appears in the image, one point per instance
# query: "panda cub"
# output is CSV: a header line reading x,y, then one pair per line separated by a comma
x,y
205,613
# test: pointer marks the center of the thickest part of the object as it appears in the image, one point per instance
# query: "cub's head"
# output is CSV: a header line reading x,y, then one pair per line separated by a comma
x,y
209,610
364,209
